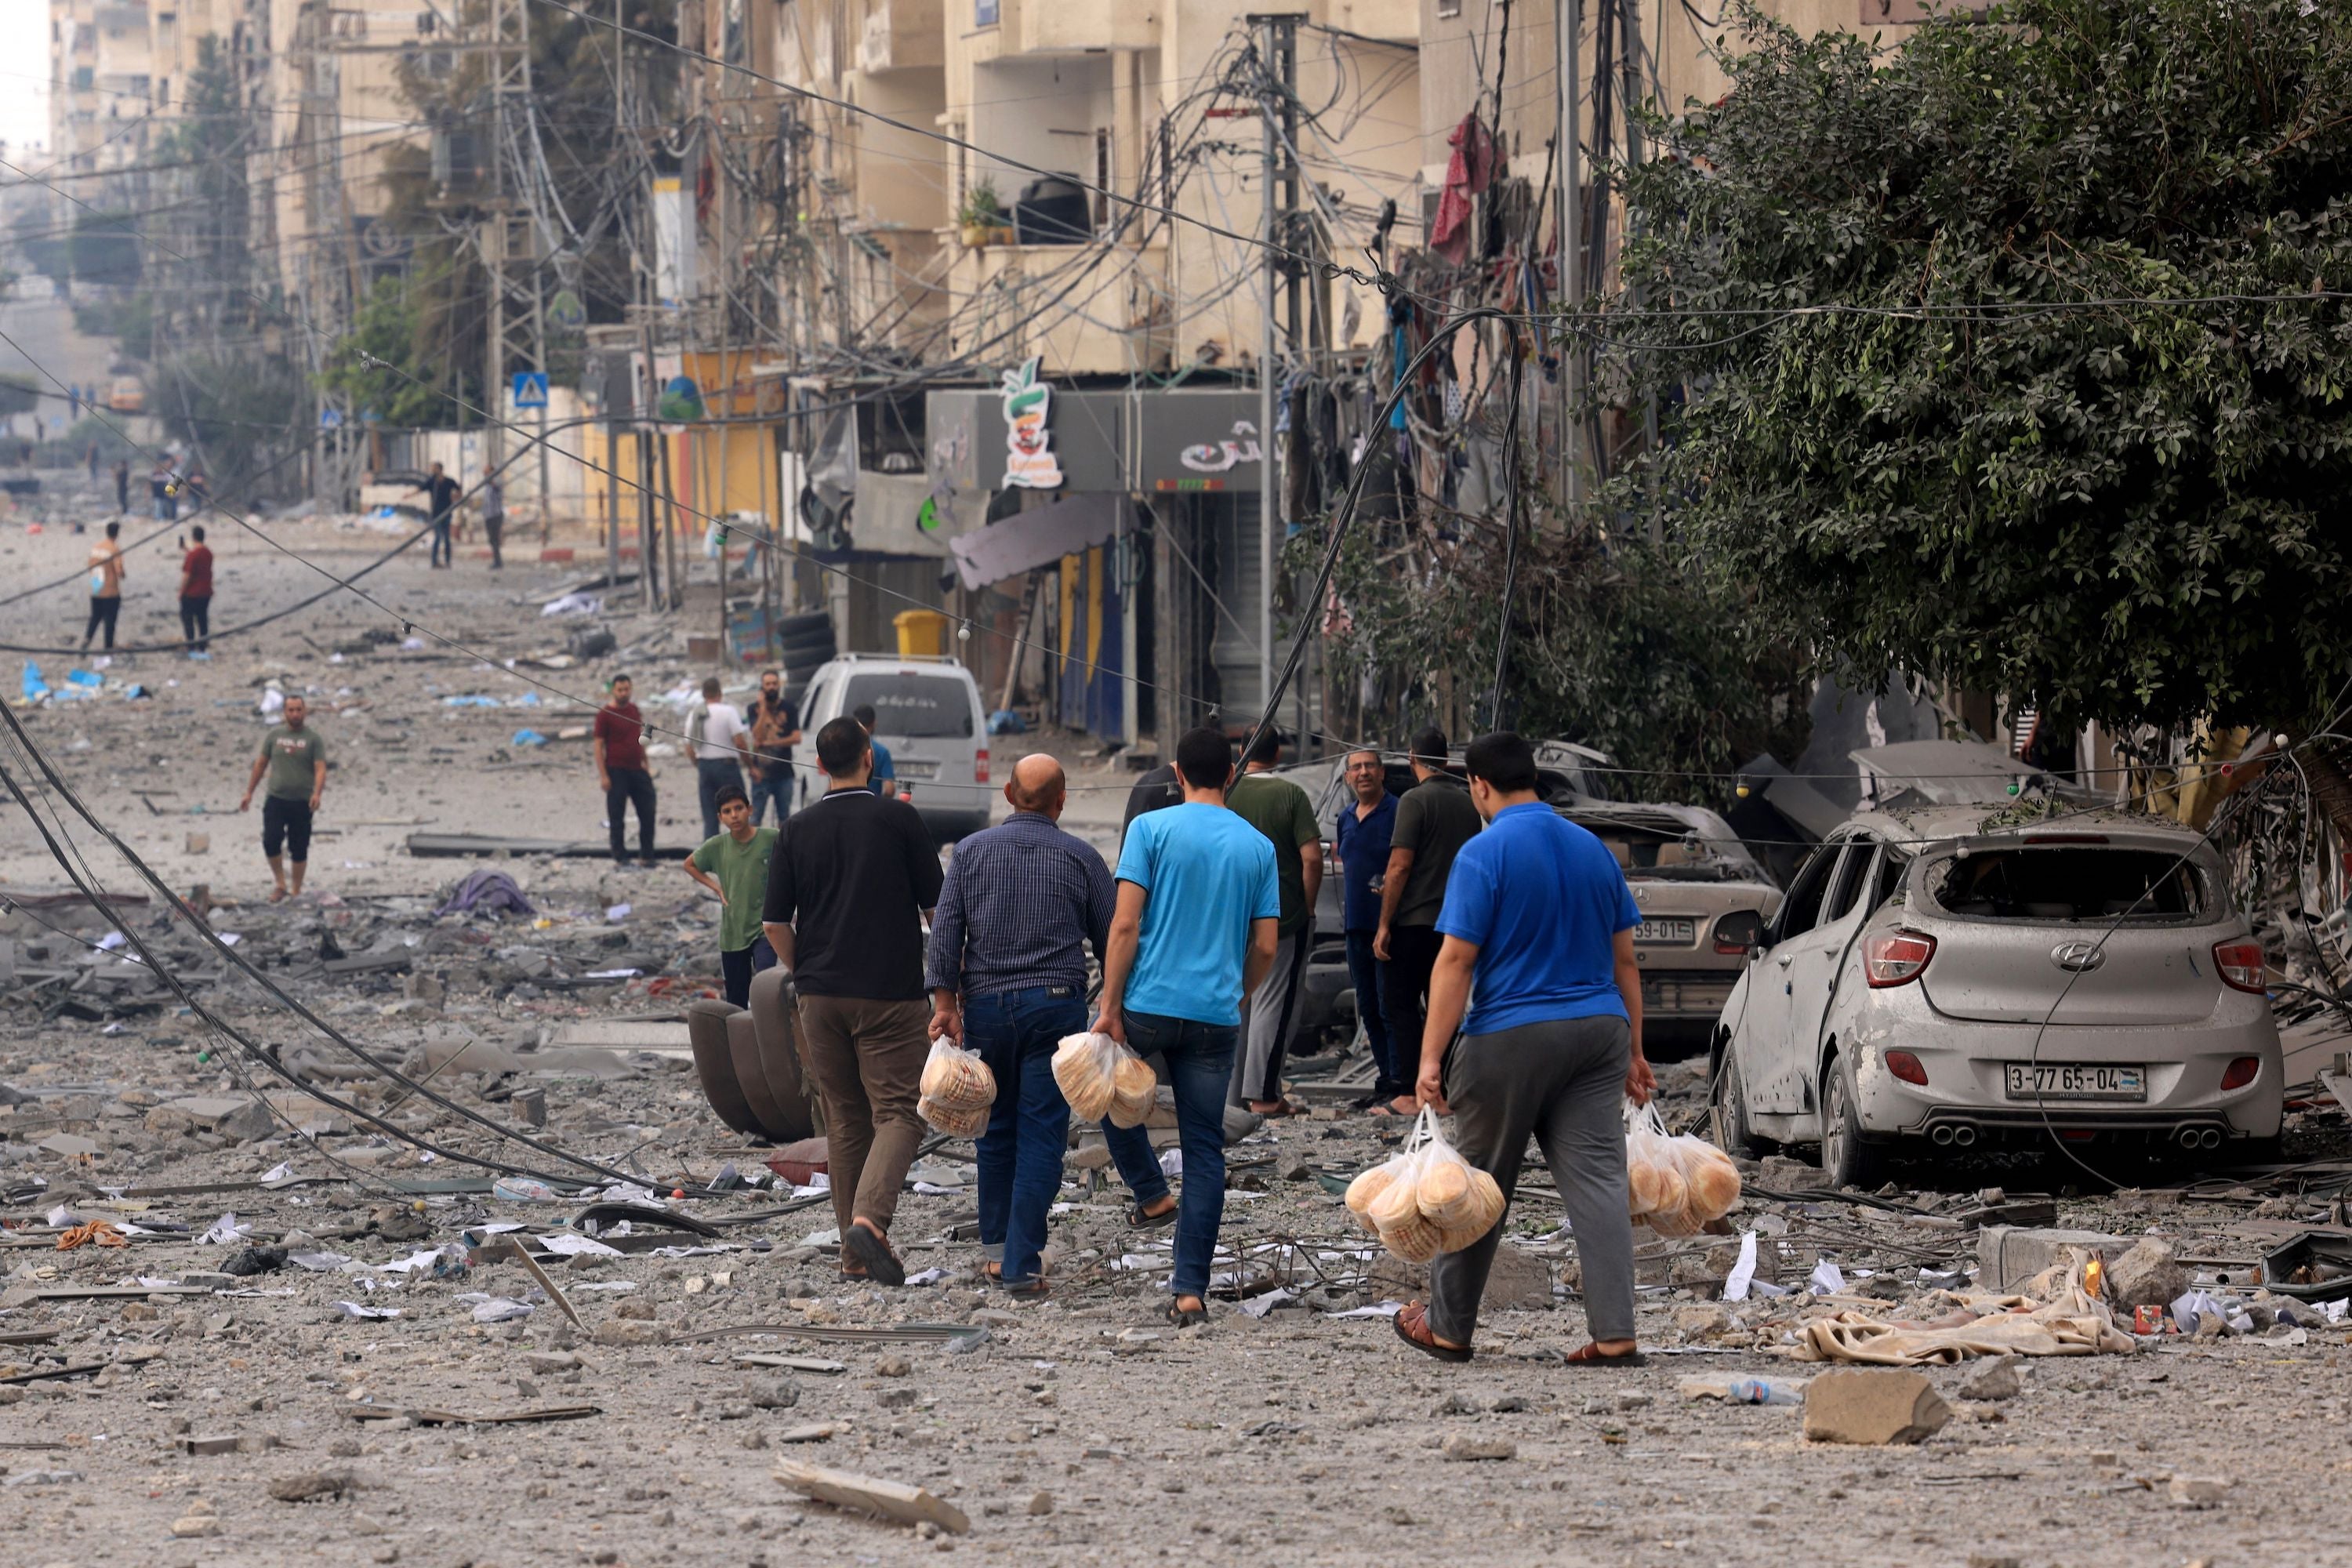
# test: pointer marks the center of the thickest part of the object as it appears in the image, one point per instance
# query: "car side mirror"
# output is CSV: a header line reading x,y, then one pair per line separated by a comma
x,y
1741,931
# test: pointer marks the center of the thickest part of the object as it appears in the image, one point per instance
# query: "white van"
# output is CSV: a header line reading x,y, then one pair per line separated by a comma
x,y
926,712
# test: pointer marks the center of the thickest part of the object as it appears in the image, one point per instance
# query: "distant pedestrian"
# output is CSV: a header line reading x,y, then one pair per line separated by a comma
x,y
90,455
441,494
622,773
734,865
1194,932
294,756
197,487
718,740
1007,968
1435,819
1359,843
1280,810
775,730
122,485
196,594
1538,930
884,780
491,500
848,886
106,574
163,489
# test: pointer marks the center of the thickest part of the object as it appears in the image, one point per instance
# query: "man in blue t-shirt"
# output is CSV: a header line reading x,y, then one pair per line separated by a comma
x,y
883,780
1538,929
1360,841
1194,932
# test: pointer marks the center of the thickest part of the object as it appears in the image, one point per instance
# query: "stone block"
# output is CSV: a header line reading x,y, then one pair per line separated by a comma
x,y
2007,1256
1873,1406
2146,1276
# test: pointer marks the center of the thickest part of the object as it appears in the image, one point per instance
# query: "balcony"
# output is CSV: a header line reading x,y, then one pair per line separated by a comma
x,y
1080,26
902,34
1086,311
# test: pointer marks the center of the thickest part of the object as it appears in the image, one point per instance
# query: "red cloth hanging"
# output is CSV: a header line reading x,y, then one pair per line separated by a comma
x,y
1467,173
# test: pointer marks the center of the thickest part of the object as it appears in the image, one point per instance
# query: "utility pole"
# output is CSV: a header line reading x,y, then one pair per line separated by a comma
x,y
1277,56
509,235
1567,19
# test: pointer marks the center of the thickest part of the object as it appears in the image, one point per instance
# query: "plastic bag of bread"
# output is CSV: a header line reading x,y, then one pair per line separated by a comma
x,y
1365,1188
956,1121
1428,1199
1134,1088
957,1080
1087,1067
1675,1185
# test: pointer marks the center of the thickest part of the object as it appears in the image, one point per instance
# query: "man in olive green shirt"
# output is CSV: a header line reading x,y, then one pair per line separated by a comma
x,y
1281,811
734,865
295,757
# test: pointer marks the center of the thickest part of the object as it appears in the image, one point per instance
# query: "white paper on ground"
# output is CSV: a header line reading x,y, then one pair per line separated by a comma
x,y
1171,1162
277,1173
928,1276
353,1310
565,1244
1378,1309
1827,1279
1734,1284
1259,1306
224,1230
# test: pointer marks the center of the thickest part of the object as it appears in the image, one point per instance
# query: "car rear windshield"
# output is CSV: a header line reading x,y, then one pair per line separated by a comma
x,y
1650,857
916,706
2068,882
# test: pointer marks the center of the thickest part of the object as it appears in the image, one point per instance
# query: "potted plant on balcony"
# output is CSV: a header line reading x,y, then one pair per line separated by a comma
x,y
981,215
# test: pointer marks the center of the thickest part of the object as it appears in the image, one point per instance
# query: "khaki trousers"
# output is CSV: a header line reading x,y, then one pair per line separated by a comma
x,y
867,1059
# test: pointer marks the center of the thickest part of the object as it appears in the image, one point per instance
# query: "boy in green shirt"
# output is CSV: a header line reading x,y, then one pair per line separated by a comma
x,y
734,865
295,758
1279,810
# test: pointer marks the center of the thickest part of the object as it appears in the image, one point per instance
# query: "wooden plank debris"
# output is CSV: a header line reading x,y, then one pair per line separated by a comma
x,y
891,1500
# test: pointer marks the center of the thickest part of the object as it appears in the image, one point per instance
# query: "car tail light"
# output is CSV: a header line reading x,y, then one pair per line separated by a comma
x,y
980,765
1906,1066
2241,1072
1896,958
1738,931
2241,963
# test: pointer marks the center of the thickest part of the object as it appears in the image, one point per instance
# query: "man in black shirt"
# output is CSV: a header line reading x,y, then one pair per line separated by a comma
x,y
1435,819
848,884
442,492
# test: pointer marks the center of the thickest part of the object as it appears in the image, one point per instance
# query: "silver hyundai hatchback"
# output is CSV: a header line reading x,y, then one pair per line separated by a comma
x,y
1942,977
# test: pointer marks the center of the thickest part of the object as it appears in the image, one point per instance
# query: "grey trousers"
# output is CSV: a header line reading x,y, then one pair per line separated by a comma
x,y
1564,1083
1269,1015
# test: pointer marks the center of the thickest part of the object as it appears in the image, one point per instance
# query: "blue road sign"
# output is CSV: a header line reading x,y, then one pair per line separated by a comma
x,y
530,389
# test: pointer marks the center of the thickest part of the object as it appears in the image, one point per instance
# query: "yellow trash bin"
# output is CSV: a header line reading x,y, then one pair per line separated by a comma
x,y
921,631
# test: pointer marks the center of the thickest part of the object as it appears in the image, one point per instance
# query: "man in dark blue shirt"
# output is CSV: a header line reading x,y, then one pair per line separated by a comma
x,y
1007,972
1538,929
1360,840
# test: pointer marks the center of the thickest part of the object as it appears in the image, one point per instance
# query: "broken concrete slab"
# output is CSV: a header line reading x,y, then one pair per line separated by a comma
x,y
1873,1406
2146,1275
865,1494
2008,1257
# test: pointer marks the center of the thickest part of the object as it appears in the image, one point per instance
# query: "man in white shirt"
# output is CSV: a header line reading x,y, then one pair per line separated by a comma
x,y
722,745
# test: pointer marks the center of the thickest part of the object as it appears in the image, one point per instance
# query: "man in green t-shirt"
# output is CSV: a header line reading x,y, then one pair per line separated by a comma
x,y
734,865
1281,811
294,756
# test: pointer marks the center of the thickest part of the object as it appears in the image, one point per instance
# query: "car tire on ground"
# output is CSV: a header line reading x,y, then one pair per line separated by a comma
x,y
1733,1134
802,622
1846,1160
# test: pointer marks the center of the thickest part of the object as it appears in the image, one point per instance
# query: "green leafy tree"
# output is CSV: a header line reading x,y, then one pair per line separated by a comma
x,y
1891,301
383,365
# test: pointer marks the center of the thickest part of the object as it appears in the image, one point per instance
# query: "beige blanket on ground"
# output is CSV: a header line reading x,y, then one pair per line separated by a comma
x,y
2073,1323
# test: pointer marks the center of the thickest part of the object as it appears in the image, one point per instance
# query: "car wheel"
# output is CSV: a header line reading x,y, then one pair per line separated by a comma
x,y
1732,1132
1846,1160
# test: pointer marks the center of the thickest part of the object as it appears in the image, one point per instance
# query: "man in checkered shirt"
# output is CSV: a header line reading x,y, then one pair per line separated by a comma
x,y
1007,971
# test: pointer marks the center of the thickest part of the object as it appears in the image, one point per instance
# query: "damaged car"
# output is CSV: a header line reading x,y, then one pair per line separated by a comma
x,y
1940,977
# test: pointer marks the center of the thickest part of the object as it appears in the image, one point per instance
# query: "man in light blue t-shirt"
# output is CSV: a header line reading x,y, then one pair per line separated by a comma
x,y
1199,907
1538,929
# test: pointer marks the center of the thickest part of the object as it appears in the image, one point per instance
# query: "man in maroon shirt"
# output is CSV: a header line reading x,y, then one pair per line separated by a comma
x,y
621,771
197,595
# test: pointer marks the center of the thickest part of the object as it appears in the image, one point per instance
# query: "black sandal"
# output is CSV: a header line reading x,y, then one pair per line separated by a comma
x,y
1033,1289
1427,1341
1188,1317
875,1253
1137,1219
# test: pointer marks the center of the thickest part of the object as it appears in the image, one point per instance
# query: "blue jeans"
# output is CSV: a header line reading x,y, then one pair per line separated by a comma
x,y
442,555
1200,1059
711,775
1364,970
777,787
1020,1155
736,969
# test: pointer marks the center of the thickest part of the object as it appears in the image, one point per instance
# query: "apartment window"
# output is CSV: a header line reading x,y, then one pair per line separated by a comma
x,y
1447,8
1103,168
983,13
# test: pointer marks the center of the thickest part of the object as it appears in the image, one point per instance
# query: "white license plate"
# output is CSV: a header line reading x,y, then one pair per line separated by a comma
x,y
912,769
2075,1081
1679,933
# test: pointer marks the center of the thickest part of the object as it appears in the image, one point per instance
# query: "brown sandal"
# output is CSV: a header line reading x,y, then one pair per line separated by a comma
x,y
1411,1325
1591,1355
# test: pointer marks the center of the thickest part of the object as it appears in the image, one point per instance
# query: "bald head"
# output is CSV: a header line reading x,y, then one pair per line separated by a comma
x,y
1036,785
